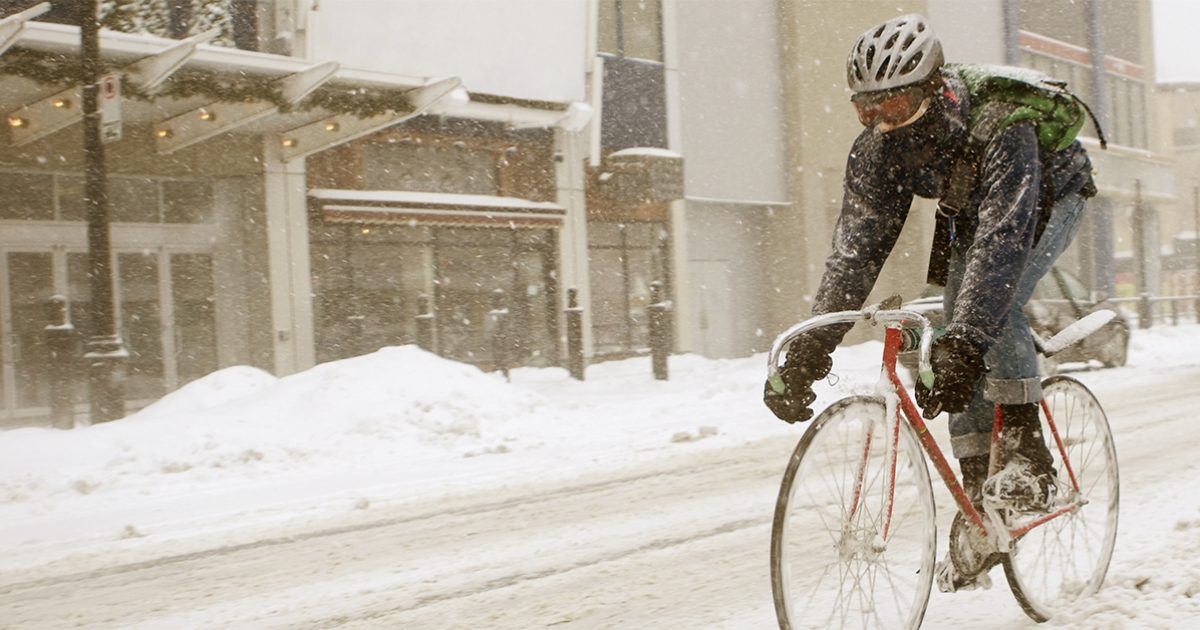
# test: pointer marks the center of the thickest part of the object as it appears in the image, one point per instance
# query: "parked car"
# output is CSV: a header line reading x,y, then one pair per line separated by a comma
x,y
1059,300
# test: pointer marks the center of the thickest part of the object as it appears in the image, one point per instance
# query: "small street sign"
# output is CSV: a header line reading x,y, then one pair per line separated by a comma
x,y
110,107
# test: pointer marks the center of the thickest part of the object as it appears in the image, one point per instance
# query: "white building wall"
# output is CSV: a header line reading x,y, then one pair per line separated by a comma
x,y
528,49
730,117
972,31
731,97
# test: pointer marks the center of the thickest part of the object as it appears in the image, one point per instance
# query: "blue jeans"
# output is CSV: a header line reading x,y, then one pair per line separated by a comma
x,y
1012,361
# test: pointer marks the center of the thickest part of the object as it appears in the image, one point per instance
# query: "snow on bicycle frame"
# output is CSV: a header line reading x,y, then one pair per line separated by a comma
x,y
896,398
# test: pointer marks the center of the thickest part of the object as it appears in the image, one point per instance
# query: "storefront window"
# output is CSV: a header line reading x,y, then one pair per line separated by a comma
x,y
368,282
141,324
71,206
624,259
79,294
133,200
30,284
187,201
26,196
193,296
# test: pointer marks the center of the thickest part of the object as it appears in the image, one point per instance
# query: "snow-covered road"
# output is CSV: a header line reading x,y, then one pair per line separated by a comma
x,y
673,537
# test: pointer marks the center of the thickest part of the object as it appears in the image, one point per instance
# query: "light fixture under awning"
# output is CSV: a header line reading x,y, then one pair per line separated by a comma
x,y
440,209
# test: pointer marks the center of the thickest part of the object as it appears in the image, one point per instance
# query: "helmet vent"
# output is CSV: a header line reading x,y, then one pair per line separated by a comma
x,y
908,41
891,41
870,55
913,63
879,32
882,69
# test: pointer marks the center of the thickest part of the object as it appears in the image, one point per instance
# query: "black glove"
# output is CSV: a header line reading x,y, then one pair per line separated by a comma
x,y
957,364
807,362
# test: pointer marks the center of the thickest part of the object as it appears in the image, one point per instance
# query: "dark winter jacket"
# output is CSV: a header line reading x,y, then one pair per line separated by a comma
x,y
1015,185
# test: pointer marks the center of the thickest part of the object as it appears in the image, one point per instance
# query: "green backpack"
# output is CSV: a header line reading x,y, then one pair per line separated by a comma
x,y
1004,95
1001,96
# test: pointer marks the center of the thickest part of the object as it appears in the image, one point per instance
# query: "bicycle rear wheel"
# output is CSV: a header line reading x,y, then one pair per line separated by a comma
x,y
846,552
1066,559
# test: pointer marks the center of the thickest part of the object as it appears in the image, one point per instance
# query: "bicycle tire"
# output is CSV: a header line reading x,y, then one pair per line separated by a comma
x,y
857,551
1077,569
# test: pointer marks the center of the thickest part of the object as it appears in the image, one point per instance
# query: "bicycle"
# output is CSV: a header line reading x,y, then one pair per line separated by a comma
x,y
855,514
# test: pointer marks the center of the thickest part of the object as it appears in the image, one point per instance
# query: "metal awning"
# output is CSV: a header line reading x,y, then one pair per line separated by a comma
x,y
303,124
393,207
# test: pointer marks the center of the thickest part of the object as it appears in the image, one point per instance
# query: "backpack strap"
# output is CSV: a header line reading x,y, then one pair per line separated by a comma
x,y
991,117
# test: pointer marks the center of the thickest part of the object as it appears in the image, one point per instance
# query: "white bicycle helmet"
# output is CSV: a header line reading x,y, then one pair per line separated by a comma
x,y
899,52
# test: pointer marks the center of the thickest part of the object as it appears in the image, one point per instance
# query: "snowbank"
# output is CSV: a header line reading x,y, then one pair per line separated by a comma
x,y
242,421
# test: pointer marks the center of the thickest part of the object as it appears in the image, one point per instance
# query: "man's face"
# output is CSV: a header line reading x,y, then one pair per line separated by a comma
x,y
891,109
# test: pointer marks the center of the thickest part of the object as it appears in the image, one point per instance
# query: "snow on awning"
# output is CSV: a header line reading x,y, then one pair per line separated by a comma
x,y
398,207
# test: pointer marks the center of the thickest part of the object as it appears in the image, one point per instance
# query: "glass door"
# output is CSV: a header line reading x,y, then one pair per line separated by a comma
x,y
166,304
28,282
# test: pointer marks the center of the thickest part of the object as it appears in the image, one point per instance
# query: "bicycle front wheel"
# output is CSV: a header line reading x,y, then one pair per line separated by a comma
x,y
853,539
1066,559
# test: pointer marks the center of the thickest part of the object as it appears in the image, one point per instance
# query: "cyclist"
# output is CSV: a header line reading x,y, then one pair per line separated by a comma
x,y
1018,209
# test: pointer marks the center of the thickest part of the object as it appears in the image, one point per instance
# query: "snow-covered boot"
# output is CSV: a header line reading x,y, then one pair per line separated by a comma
x,y
971,554
1028,481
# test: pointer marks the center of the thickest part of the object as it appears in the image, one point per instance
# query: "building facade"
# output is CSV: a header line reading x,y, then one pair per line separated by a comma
x,y
276,211
361,184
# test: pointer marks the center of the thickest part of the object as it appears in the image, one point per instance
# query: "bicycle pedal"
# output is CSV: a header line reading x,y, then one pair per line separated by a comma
x,y
950,581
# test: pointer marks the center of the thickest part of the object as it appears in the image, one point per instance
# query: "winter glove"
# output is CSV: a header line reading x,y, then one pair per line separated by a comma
x,y
957,364
807,362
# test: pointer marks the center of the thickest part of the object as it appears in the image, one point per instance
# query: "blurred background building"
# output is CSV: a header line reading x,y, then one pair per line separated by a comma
x,y
317,175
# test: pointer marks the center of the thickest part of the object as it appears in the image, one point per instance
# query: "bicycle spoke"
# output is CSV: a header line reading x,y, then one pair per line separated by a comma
x,y
1066,558
879,583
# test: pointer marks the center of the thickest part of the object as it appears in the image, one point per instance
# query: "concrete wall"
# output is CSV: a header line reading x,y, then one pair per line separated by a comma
x,y
726,289
969,45
731,123
731,96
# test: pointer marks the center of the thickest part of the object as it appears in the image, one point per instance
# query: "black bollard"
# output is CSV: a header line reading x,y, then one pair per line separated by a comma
x,y
62,347
662,338
574,317
426,322
498,322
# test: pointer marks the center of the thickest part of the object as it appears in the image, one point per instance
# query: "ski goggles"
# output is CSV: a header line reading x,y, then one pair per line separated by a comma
x,y
891,108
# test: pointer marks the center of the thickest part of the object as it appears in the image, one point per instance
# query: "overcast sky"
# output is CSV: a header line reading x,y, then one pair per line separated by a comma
x,y
1176,45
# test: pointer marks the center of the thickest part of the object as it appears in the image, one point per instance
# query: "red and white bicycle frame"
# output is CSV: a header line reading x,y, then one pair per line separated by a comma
x,y
904,408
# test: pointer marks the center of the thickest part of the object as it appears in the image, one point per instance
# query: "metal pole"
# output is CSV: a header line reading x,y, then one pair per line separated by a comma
x,y
574,317
1103,254
1145,309
1012,26
1196,249
661,337
104,352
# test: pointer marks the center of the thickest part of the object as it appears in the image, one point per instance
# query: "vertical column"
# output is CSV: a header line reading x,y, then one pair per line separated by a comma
x,y
679,293
1103,252
288,274
573,264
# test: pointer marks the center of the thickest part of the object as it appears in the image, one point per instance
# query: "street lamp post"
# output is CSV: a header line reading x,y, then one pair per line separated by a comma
x,y
104,351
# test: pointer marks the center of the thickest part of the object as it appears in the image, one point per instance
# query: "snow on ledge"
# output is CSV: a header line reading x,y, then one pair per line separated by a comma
x,y
646,151
432,199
